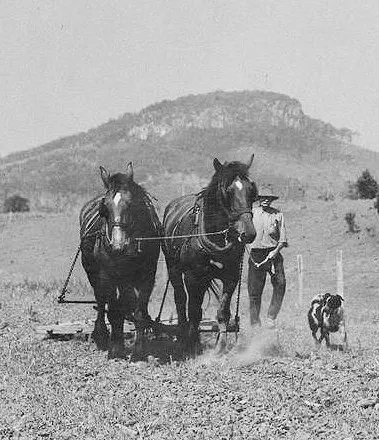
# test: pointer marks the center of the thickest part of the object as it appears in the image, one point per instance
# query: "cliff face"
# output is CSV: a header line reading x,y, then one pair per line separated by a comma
x,y
223,110
217,110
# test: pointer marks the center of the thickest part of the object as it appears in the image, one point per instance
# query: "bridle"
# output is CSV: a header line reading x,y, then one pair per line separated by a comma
x,y
232,215
236,214
109,225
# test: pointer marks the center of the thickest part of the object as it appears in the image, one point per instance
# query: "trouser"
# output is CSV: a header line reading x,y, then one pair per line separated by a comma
x,y
257,279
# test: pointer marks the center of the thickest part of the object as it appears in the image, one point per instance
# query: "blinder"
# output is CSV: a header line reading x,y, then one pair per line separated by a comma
x,y
235,215
103,212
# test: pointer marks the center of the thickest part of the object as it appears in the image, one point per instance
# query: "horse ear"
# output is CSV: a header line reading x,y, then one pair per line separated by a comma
x,y
129,170
251,161
217,164
105,176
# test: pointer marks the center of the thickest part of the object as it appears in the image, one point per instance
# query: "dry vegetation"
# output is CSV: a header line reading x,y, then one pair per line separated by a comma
x,y
270,385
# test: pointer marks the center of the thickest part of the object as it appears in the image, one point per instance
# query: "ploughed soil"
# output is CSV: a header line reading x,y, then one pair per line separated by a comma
x,y
270,384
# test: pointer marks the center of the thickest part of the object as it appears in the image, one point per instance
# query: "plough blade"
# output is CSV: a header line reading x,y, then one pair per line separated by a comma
x,y
66,329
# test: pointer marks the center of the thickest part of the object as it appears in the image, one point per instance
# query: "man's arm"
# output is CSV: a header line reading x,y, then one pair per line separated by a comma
x,y
275,251
282,242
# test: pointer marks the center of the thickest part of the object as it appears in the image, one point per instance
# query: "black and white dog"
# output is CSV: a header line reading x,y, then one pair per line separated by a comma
x,y
327,314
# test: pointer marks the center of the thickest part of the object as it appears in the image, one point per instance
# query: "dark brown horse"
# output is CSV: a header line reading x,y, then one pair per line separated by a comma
x,y
219,222
120,267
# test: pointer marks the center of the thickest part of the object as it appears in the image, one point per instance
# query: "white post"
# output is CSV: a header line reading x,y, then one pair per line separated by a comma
x,y
340,292
339,274
300,278
183,188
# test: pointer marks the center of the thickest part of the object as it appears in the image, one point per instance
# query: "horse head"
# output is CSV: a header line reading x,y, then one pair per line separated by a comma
x,y
236,194
119,209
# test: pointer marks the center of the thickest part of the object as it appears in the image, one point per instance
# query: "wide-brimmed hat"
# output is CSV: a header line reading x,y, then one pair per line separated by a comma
x,y
268,194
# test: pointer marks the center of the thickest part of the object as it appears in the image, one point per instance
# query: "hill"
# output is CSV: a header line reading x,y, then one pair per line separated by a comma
x,y
172,145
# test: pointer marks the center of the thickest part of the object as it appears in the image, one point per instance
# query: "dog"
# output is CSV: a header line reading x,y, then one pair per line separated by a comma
x,y
327,314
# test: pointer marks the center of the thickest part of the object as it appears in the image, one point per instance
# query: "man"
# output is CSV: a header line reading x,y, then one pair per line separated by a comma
x,y
265,257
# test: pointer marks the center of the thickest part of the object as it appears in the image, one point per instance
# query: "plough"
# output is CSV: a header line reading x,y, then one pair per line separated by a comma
x,y
85,328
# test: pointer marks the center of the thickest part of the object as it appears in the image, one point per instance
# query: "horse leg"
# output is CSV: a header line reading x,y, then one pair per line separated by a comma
x,y
142,318
223,313
128,300
100,333
180,297
116,316
196,288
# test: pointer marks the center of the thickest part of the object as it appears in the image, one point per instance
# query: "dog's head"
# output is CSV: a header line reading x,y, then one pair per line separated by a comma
x,y
320,299
333,302
325,298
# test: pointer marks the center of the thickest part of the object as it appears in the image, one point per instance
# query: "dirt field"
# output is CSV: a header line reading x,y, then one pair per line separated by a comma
x,y
270,385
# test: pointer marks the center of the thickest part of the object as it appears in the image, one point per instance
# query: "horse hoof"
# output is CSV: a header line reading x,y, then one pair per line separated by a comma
x,y
116,355
101,341
221,346
137,356
220,349
116,352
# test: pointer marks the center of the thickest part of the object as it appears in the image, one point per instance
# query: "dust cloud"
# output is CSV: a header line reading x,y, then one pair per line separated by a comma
x,y
252,346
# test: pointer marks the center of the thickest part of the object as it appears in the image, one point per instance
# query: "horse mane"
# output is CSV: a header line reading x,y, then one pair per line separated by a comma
x,y
222,178
120,181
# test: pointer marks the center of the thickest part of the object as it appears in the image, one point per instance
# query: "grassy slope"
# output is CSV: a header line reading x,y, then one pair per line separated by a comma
x,y
67,389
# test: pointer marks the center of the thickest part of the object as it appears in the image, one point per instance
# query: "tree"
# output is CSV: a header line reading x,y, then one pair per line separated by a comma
x,y
367,186
16,204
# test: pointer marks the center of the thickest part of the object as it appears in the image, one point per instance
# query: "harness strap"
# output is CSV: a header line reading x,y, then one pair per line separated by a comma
x,y
205,243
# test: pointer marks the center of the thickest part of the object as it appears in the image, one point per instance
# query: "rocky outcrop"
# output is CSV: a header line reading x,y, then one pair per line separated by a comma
x,y
223,109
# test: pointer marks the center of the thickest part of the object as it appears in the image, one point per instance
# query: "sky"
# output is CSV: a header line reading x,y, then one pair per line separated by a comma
x,y
69,65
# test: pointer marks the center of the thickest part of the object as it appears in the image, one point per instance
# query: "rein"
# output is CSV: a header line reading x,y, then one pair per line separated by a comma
x,y
209,245
62,296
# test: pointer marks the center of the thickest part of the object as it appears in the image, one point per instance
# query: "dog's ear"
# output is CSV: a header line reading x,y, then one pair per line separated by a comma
x,y
340,297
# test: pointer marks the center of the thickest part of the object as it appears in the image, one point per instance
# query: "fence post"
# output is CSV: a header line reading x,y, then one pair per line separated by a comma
x,y
300,279
339,274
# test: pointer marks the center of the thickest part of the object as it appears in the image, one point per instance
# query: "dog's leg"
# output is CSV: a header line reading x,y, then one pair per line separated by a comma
x,y
327,338
314,335
322,336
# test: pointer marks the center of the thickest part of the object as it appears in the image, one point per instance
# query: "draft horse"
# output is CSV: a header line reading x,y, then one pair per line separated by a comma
x,y
204,238
120,267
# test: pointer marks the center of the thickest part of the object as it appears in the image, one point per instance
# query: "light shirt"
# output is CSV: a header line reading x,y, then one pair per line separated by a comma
x,y
270,228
